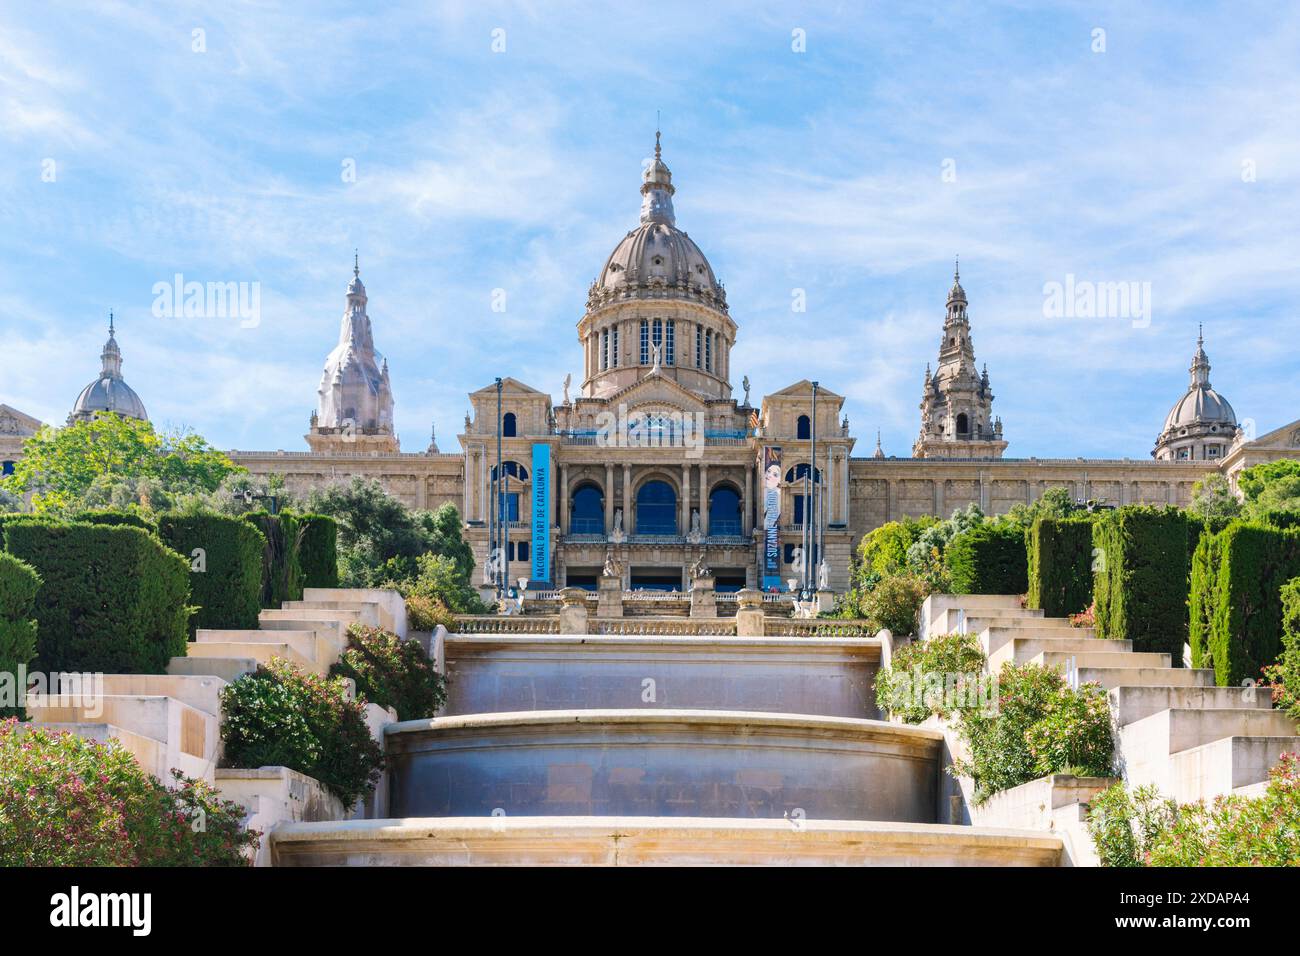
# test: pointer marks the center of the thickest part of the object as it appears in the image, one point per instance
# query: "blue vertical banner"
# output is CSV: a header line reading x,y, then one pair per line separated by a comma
x,y
771,490
541,512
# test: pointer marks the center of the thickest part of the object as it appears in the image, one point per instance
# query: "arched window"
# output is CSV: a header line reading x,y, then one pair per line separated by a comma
x,y
804,427
963,424
588,513
724,510
513,469
798,471
508,425
656,508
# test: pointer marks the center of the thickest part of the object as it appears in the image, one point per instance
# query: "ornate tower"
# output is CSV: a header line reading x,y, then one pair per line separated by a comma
x,y
1202,425
957,402
354,410
657,298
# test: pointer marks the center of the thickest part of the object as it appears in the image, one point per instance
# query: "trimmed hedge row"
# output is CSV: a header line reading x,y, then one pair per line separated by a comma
x,y
112,598
987,559
1287,670
18,586
281,561
108,516
1235,616
318,551
225,561
1140,586
1059,565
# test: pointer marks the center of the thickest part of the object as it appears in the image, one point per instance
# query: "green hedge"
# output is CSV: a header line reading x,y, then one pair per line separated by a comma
x,y
112,598
1059,565
987,559
281,564
1287,670
1140,585
1235,606
108,516
318,551
225,559
18,587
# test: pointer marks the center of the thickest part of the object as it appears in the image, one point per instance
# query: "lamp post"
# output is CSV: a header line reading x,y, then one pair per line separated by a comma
x,y
503,522
816,542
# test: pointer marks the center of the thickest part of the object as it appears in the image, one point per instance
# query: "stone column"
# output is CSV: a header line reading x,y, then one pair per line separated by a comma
x,y
627,499
610,597
703,600
685,507
704,500
609,498
564,499
747,505
891,498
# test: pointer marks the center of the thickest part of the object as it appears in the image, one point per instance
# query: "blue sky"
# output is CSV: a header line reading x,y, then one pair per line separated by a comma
x,y
821,170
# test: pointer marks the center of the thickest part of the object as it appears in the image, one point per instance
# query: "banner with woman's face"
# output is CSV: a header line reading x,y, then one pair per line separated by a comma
x,y
771,515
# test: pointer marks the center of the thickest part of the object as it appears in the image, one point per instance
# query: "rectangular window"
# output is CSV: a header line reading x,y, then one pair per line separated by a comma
x,y
670,342
614,356
604,349
659,336
708,351
645,342
699,344
798,510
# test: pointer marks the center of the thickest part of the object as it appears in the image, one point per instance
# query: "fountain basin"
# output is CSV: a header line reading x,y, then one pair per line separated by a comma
x,y
663,763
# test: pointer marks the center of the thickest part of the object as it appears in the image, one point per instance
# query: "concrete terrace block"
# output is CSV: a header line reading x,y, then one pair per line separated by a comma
x,y
228,669
935,604
369,612
1102,659
1129,702
1109,677
664,763
274,796
1226,765
1021,650
202,692
304,642
959,621
654,841
392,604
501,673
260,651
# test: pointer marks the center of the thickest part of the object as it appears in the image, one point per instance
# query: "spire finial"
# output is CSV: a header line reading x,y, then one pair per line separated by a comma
x,y
1200,334
356,263
956,269
110,322
659,153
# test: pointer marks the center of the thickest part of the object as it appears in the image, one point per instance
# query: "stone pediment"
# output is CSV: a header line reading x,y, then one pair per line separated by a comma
x,y
511,386
657,389
803,389
1288,436
13,422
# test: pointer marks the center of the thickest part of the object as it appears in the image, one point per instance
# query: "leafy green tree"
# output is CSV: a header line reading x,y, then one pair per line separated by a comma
x,y
111,459
1254,481
1212,497
1053,503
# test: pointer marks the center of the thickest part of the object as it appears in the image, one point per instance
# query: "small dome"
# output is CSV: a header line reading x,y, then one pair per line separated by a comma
x,y
1201,406
109,392
1201,414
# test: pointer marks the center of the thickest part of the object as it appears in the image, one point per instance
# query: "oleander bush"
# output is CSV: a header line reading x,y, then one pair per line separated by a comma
x,y
18,587
987,559
1040,726
894,603
113,598
1142,829
282,716
318,553
1235,621
1141,583
224,555
938,676
426,613
67,800
391,672
1059,565
281,562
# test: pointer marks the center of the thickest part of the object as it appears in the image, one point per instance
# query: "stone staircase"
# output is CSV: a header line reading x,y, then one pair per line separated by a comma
x,y
173,720
1174,728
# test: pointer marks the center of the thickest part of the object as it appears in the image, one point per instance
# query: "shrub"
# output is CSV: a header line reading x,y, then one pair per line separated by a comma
x,y
987,559
109,516
425,614
72,801
281,716
112,598
1143,830
1140,587
1059,565
318,552
894,603
225,560
391,672
1235,604
18,587
1125,825
281,566
937,676
1285,674
1040,726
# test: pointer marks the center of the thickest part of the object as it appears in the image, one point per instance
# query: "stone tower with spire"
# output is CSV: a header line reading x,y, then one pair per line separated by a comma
x,y
1202,425
354,409
957,401
109,392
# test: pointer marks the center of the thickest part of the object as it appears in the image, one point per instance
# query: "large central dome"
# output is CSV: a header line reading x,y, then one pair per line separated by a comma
x,y
657,260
